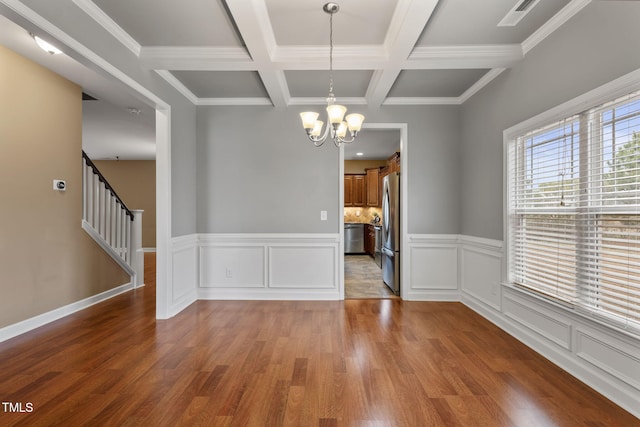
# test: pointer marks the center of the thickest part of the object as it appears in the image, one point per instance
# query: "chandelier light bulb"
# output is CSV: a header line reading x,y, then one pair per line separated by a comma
x,y
336,113
354,121
309,119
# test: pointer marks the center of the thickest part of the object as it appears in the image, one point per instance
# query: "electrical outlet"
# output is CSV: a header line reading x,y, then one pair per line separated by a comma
x,y
323,215
228,273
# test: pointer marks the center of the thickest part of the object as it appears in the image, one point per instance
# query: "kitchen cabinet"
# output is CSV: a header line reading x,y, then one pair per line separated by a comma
x,y
370,239
354,190
373,188
393,165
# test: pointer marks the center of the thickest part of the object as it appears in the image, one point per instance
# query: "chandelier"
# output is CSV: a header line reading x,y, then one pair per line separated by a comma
x,y
337,123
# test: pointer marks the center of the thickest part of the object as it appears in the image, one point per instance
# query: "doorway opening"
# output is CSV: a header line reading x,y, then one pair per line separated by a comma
x,y
365,164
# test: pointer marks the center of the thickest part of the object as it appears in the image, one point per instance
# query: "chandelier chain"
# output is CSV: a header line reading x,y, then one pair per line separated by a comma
x,y
331,53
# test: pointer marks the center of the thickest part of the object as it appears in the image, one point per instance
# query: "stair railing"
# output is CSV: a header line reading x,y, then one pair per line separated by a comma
x,y
116,228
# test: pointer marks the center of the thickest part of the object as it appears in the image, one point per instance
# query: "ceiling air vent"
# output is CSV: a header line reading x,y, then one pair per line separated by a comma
x,y
517,12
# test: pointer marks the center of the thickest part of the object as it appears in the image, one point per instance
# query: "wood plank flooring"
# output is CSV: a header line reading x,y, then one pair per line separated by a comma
x,y
361,362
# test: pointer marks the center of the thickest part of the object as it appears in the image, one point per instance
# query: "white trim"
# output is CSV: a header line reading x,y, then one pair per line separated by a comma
x,y
32,323
557,21
323,101
260,262
481,83
464,56
91,9
428,250
197,58
234,101
362,57
177,85
443,100
95,235
164,271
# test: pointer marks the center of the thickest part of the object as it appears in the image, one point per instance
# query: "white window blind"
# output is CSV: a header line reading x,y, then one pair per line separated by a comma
x,y
574,211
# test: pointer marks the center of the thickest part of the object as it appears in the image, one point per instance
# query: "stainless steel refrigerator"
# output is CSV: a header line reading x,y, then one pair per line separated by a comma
x,y
391,231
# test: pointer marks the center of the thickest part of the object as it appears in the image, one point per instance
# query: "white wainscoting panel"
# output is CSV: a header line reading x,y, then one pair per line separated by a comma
x,y
481,270
433,268
184,260
613,356
539,319
303,267
269,266
233,266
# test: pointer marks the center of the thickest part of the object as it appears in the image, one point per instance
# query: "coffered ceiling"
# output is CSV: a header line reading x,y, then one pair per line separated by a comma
x,y
276,52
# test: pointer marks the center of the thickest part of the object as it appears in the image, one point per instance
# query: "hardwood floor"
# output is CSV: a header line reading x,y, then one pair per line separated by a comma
x,y
364,362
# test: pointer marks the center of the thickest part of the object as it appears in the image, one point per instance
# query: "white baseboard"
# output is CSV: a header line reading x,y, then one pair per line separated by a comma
x,y
32,323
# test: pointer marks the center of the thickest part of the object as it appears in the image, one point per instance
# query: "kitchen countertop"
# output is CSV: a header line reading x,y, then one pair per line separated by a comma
x,y
365,223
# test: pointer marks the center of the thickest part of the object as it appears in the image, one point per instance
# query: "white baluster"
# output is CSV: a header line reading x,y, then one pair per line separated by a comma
x,y
95,221
136,247
107,215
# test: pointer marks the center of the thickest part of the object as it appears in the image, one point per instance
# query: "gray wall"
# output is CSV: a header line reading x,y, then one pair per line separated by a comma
x,y
258,173
596,46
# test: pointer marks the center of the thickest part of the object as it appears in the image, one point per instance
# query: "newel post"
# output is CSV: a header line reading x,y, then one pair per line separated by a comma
x,y
137,261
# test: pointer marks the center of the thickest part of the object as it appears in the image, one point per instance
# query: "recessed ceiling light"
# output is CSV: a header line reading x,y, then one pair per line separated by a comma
x,y
359,154
46,46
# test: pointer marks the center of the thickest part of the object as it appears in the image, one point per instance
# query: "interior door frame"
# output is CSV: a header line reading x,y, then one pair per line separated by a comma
x,y
404,215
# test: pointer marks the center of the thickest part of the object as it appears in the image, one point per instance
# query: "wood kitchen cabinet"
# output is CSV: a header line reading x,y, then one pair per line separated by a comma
x,y
373,188
370,239
393,165
354,190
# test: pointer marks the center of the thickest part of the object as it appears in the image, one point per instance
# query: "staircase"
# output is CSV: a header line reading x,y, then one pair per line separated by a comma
x,y
110,223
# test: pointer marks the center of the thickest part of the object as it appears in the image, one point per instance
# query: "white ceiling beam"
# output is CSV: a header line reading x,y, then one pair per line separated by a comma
x,y
467,56
197,58
407,23
252,19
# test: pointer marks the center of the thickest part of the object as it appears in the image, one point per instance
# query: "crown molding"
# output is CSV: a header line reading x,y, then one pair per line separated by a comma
x,y
442,100
233,102
197,58
363,57
177,85
556,21
323,101
91,9
481,83
464,56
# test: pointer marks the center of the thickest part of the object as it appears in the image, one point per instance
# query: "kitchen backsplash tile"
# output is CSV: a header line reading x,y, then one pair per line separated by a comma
x,y
364,215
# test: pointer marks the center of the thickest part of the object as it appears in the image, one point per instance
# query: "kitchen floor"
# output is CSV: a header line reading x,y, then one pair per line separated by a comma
x,y
363,278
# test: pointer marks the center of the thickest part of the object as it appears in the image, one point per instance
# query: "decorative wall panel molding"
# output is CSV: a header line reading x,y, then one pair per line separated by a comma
x,y
613,356
184,271
269,266
432,267
481,269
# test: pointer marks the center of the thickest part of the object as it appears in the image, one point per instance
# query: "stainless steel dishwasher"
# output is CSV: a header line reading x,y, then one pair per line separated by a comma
x,y
353,238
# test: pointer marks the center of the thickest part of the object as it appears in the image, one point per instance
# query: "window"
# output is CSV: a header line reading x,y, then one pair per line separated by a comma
x,y
574,211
